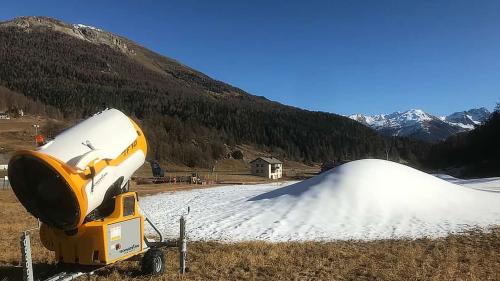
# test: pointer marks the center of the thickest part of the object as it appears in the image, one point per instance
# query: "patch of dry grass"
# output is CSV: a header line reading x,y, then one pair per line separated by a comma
x,y
473,256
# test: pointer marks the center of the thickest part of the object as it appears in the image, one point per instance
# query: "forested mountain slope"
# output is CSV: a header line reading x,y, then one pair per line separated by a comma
x,y
472,154
187,116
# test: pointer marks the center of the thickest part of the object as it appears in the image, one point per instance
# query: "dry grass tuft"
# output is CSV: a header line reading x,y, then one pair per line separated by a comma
x,y
472,256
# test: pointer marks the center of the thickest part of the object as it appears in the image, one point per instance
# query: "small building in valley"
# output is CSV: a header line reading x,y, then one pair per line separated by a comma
x,y
268,167
4,115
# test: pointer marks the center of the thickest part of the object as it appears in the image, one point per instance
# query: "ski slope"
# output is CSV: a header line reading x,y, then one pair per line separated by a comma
x,y
364,199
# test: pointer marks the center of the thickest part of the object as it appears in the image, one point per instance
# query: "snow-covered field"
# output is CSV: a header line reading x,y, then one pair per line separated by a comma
x,y
365,199
486,184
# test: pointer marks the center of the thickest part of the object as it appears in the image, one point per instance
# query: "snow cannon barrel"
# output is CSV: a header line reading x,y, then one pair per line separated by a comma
x,y
65,180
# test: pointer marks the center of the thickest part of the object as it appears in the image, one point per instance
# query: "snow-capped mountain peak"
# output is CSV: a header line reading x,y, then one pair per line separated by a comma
x,y
394,119
415,115
468,119
422,125
80,26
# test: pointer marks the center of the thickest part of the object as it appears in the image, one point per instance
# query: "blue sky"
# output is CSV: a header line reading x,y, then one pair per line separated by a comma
x,y
336,56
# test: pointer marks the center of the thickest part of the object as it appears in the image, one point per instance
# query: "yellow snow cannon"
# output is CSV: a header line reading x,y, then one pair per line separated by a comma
x,y
71,178
77,186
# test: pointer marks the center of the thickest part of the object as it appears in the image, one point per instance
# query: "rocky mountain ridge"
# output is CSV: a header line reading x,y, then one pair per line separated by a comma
x,y
418,124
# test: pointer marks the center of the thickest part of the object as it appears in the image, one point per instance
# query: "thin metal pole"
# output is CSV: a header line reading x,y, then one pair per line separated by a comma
x,y
182,245
26,257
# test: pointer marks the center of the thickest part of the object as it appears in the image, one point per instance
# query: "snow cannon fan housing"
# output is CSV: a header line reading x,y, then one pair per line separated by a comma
x,y
81,169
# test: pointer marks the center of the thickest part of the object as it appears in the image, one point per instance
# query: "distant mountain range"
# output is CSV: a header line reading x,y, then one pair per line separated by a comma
x,y
417,124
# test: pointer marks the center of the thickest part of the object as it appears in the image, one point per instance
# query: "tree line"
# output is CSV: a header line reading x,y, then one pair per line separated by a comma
x,y
471,154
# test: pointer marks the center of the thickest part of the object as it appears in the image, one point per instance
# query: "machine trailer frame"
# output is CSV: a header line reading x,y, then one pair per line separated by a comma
x,y
72,272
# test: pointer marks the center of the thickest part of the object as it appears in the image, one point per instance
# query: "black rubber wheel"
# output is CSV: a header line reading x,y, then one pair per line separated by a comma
x,y
153,262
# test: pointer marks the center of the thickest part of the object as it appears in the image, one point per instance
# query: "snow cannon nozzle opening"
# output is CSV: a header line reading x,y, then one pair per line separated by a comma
x,y
43,192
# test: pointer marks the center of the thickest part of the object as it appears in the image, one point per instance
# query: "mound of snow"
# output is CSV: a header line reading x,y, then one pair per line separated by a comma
x,y
486,184
365,199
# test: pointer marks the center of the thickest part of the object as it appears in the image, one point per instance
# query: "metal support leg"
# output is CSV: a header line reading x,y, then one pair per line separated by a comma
x,y
26,257
182,245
